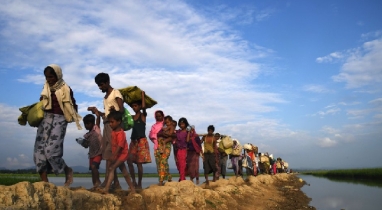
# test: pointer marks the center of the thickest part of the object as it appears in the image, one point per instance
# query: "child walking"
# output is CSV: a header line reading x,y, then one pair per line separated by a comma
x,y
93,142
183,137
139,150
119,149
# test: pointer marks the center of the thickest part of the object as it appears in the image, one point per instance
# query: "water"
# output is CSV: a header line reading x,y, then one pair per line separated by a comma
x,y
327,194
86,182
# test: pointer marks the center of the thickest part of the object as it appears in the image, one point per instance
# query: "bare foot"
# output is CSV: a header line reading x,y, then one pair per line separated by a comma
x,y
197,181
69,177
97,184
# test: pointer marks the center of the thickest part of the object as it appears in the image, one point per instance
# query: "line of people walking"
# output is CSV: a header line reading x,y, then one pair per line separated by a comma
x,y
60,108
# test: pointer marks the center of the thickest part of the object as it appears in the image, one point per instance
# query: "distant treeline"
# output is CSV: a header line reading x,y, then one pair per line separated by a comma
x,y
18,171
365,173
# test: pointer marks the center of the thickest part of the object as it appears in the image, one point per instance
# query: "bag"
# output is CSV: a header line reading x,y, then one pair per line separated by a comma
x,y
134,93
247,146
286,165
127,119
228,151
244,162
227,142
264,159
255,149
237,151
229,165
35,115
221,147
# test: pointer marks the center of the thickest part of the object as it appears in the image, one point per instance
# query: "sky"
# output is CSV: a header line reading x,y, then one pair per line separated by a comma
x,y
300,79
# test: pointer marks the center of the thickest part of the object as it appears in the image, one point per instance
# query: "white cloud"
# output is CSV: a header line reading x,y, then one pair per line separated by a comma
x,y
316,88
21,161
363,66
327,142
329,58
329,111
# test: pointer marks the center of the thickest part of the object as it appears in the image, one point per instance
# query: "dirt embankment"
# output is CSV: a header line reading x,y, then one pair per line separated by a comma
x,y
281,191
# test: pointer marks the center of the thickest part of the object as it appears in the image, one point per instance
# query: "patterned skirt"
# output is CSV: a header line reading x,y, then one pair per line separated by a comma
x,y
139,151
161,160
49,144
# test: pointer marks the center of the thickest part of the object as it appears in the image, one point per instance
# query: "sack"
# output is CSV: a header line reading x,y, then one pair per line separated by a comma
x,y
237,151
255,149
229,165
227,142
134,93
264,159
35,115
127,119
228,151
221,147
247,146
286,165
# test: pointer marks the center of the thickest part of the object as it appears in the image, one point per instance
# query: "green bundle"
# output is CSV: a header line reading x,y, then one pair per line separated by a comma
x,y
133,93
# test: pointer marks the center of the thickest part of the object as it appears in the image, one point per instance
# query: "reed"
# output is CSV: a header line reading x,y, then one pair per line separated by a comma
x,y
364,173
11,179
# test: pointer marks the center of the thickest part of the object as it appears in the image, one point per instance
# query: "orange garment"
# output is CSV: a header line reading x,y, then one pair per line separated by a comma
x,y
118,139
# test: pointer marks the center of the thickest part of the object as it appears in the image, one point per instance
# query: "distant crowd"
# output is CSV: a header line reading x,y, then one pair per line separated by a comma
x,y
166,135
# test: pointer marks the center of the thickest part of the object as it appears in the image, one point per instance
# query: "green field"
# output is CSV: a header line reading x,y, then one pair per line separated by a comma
x,y
365,173
11,179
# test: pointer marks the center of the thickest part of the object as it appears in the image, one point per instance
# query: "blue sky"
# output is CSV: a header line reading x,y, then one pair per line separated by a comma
x,y
300,79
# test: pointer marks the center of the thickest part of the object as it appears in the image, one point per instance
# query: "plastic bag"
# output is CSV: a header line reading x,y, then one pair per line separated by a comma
x,y
229,165
128,121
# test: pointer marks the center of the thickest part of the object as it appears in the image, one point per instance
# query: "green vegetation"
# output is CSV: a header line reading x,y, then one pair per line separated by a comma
x,y
365,173
11,179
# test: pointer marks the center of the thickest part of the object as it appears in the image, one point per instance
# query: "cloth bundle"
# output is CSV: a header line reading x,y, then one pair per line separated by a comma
x,y
133,93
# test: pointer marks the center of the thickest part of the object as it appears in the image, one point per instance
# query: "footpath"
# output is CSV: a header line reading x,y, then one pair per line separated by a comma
x,y
281,191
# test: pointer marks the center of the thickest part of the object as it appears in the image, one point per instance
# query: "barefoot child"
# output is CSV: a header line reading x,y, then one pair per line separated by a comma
x,y
139,150
119,149
93,141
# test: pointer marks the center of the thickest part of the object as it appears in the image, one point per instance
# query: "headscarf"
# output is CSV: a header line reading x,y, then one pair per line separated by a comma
x,y
46,92
62,92
155,128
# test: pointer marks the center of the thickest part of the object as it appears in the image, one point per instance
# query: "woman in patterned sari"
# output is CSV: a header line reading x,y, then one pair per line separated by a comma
x,y
165,137
60,109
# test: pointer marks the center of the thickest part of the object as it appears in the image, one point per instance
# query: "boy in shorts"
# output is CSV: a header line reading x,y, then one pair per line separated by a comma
x,y
92,141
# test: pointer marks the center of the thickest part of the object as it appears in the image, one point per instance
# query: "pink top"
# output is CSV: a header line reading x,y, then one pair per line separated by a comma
x,y
154,131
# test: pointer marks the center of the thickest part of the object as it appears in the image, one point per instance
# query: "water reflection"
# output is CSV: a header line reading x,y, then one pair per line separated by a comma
x,y
328,194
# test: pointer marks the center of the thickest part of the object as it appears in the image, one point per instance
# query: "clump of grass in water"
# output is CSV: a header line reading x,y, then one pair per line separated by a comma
x,y
365,173
11,179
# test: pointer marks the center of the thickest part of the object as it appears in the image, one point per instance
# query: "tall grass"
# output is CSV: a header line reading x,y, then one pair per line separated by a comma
x,y
365,173
11,179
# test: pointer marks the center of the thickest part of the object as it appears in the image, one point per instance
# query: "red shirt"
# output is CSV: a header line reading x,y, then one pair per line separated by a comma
x,y
118,139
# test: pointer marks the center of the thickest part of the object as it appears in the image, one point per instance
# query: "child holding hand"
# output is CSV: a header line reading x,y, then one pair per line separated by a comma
x,y
93,140
119,149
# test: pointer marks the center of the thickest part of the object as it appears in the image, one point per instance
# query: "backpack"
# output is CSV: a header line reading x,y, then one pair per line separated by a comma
x,y
127,119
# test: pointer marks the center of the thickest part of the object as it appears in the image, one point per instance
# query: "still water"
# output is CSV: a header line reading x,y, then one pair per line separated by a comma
x,y
327,194
86,182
